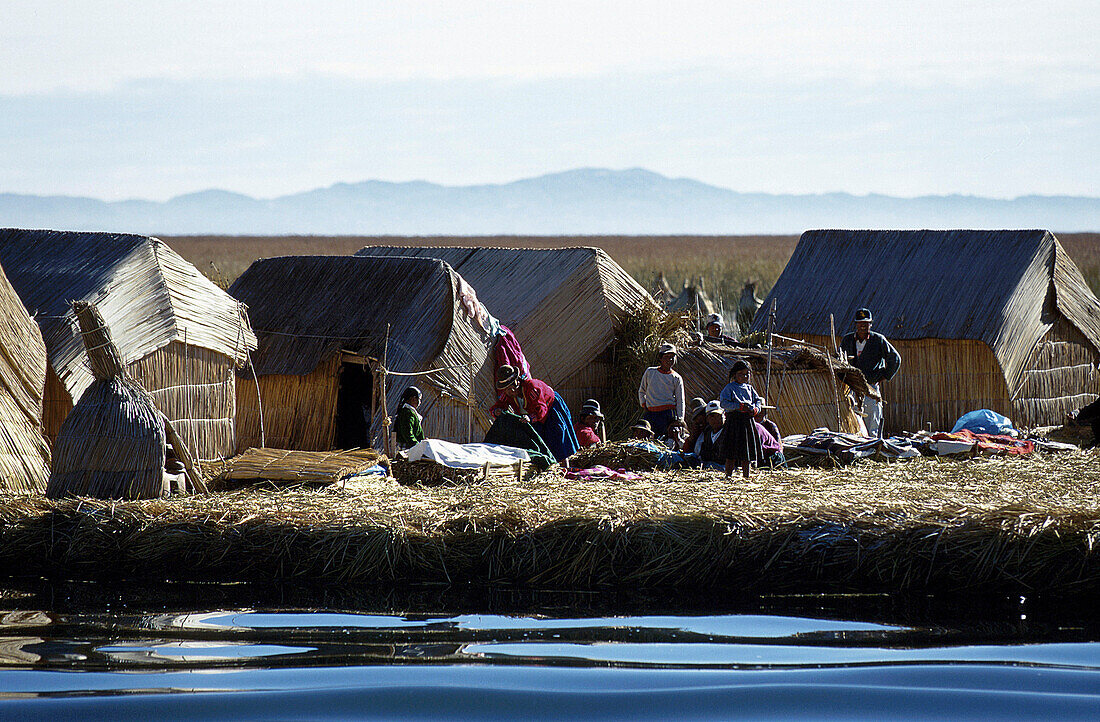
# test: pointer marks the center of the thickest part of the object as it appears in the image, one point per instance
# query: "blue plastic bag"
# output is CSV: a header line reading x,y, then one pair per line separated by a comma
x,y
984,421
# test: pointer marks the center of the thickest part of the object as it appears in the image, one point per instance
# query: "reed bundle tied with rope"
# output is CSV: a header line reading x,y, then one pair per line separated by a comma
x,y
282,465
615,455
931,525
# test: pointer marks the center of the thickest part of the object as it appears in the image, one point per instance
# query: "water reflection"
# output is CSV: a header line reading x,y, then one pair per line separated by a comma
x,y
404,648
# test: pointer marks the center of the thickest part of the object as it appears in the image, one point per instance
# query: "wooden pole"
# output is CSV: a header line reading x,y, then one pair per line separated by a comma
x,y
768,375
470,407
832,374
385,411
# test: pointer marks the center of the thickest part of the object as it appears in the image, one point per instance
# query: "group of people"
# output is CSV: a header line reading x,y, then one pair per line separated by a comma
x,y
730,432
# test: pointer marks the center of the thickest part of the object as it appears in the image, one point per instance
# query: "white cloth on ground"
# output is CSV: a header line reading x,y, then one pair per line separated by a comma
x,y
466,456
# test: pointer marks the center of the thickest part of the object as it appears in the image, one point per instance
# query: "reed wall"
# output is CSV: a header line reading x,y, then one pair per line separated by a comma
x,y
1060,376
804,398
939,381
299,412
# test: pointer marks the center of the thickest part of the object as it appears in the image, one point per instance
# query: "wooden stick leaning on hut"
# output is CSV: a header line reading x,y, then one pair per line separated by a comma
x,y
832,374
768,375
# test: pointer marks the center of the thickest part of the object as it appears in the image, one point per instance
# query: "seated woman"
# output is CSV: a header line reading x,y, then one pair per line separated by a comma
x,y
771,441
709,445
407,422
539,404
641,431
590,417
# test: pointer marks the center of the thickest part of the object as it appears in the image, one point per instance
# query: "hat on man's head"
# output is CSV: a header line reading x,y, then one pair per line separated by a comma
x,y
739,365
665,348
714,318
696,404
591,407
715,407
863,314
506,376
642,425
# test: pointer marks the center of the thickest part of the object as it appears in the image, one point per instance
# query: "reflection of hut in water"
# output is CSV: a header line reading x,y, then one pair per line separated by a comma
x,y
24,454
319,320
806,395
112,445
179,335
1001,320
565,306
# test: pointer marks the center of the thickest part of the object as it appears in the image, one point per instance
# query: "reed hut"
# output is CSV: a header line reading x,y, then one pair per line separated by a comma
x,y
565,306
1001,320
112,445
24,453
180,336
321,319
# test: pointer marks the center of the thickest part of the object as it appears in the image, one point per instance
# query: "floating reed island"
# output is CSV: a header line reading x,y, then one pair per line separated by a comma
x,y
987,524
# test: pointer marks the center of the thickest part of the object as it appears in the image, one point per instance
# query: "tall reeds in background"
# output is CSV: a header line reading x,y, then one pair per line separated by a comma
x,y
723,263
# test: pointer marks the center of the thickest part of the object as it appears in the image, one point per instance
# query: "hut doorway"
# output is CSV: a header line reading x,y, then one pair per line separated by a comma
x,y
353,406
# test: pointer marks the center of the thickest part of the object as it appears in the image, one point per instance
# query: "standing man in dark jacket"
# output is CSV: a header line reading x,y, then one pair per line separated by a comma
x,y
872,354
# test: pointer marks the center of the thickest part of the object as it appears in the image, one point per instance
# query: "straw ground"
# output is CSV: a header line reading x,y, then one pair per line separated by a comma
x,y
1015,525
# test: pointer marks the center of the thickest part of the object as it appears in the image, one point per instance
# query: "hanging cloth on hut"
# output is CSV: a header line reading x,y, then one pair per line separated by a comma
x,y
508,352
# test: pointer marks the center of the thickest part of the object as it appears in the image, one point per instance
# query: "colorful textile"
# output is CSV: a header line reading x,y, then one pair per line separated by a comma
x,y
768,443
556,429
586,436
983,421
999,444
511,430
508,352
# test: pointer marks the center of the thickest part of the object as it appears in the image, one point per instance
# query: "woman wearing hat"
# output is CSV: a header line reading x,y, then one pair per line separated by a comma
x,y
590,418
741,403
407,422
539,404
661,392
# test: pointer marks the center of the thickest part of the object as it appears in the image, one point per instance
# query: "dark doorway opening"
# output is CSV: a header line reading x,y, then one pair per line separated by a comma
x,y
353,406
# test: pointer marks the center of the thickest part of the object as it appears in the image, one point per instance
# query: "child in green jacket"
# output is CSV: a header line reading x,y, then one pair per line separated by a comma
x,y
407,423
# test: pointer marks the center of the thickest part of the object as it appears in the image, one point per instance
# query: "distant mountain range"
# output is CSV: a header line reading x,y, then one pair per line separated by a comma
x,y
577,202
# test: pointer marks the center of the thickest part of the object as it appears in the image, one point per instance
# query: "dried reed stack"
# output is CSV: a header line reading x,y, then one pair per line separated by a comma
x,y
616,455
112,444
640,332
282,465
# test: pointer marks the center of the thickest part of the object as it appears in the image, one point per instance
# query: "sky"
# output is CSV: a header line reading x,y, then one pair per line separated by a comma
x,y
116,99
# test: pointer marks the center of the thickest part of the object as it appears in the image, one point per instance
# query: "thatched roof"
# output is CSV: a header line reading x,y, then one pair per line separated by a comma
x,y
1004,288
562,303
112,444
306,308
24,454
149,295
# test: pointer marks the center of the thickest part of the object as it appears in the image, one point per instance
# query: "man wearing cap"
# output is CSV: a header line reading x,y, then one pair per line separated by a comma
x,y
876,357
661,392
714,331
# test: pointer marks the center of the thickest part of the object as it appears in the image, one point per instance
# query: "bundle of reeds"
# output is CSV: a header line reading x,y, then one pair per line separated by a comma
x,y
282,465
615,455
112,444
992,524
640,332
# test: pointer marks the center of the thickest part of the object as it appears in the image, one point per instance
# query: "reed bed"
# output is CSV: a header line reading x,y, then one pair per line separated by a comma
x,y
282,465
615,455
930,525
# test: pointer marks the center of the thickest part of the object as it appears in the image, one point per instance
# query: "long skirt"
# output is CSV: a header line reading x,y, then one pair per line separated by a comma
x,y
742,443
557,430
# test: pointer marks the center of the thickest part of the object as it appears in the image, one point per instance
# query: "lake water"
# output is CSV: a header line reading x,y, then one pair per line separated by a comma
x,y
241,652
